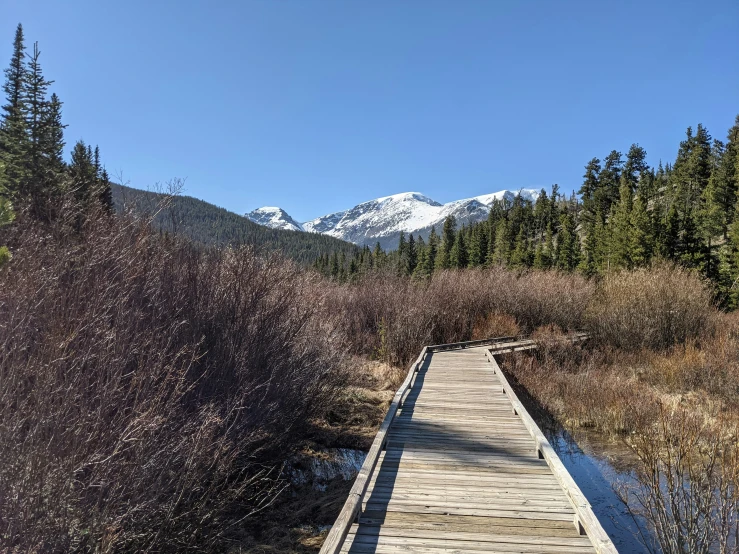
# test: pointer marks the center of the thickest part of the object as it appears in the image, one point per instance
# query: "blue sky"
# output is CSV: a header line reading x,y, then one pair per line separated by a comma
x,y
316,105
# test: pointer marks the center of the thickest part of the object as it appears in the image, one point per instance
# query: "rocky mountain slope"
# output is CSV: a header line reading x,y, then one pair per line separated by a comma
x,y
383,219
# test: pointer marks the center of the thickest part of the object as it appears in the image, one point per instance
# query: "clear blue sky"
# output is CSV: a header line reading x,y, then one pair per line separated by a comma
x,y
316,105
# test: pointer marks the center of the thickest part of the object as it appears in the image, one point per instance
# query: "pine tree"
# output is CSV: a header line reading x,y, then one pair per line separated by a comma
x,y
6,212
105,192
690,253
37,115
609,184
588,265
549,246
590,211
379,256
732,255
553,207
692,170
567,244
448,236
494,215
475,256
635,165
334,266
641,240
458,254
53,140
83,179
13,133
542,211
502,243
420,271
412,256
619,226
731,159
402,255
541,260
342,255
432,250
353,269
713,218
588,191
520,257
602,245
725,174
671,243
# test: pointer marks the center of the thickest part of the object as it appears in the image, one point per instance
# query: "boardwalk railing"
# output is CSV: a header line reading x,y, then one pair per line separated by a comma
x,y
585,520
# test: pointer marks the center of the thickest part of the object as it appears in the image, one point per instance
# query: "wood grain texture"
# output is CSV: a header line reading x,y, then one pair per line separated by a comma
x,y
459,466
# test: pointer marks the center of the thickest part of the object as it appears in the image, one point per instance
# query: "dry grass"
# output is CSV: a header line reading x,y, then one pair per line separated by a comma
x,y
678,411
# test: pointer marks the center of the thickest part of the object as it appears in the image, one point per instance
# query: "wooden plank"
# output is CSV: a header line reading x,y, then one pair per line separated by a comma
x,y
411,519
377,530
488,512
510,545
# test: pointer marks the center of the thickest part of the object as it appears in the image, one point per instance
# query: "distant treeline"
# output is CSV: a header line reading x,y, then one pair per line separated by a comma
x,y
624,215
210,225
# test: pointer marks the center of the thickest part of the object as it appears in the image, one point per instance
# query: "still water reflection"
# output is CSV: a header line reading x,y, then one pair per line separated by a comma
x,y
597,466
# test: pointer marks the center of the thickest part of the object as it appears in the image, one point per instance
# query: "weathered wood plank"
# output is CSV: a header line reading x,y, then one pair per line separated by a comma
x,y
456,469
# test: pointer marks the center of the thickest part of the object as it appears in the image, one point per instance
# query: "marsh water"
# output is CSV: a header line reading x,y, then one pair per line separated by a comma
x,y
598,466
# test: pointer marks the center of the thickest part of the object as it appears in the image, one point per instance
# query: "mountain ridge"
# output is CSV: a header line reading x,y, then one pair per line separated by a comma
x,y
208,224
383,219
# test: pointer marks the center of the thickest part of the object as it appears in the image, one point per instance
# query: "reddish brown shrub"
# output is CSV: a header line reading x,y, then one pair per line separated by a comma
x,y
147,387
495,325
396,317
652,308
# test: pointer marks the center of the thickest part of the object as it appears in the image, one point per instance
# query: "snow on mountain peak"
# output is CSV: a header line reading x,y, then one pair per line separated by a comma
x,y
383,219
487,199
407,197
276,218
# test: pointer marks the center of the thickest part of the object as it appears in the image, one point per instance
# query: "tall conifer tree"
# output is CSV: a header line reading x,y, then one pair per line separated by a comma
x,y
13,132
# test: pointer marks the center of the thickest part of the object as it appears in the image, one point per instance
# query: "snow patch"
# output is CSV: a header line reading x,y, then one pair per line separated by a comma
x,y
319,470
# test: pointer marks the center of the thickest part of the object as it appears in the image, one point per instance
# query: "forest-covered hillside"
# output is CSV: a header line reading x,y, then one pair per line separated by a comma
x,y
209,224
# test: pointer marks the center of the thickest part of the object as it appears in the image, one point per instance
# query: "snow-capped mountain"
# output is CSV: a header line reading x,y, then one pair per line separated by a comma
x,y
276,218
383,219
324,223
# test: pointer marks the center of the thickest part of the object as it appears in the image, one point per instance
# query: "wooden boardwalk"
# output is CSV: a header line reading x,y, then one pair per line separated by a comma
x,y
459,469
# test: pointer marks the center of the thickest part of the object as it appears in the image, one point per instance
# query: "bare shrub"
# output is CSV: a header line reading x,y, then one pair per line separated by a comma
x,y
393,318
542,297
495,325
150,389
653,308
687,484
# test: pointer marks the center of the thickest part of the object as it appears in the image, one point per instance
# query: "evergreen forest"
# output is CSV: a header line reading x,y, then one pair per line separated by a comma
x,y
624,215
